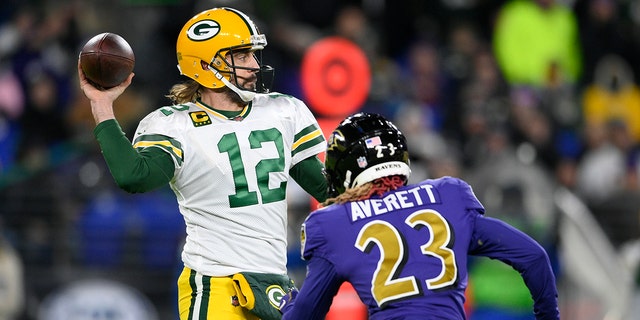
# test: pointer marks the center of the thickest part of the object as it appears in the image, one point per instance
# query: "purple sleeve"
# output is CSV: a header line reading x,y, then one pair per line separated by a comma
x,y
316,295
497,240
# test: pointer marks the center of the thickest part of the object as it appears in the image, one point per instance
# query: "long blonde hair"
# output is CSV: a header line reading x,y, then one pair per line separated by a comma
x,y
187,91
376,187
190,91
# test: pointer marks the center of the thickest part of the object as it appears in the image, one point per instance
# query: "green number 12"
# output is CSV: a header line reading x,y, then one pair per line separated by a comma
x,y
243,197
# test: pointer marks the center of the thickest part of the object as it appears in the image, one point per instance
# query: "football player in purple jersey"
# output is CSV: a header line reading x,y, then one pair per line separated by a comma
x,y
404,248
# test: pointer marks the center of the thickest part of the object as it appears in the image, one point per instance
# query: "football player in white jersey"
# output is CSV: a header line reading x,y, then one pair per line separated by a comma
x,y
227,147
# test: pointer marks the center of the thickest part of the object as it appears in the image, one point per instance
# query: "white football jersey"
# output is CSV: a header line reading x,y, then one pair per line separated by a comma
x,y
231,178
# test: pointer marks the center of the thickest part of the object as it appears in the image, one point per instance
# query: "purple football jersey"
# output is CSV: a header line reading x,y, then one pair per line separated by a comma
x,y
406,253
405,248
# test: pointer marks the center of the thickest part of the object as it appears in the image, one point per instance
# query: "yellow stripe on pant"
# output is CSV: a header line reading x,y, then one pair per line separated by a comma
x,y
202,297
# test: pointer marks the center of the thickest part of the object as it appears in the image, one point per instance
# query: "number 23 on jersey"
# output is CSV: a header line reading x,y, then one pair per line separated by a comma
x,y
386,286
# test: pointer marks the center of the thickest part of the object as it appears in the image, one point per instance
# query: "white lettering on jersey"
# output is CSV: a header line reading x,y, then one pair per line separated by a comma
x,y
396,200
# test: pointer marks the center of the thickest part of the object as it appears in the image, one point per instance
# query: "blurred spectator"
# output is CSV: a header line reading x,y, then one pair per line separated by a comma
x,y
12,96
12,292
11,92
531,129
534,39
387,89
352,23
607,181
427,145
44,43
473,78
462,44
424,83
482,102
601,168
42,123
613,95
15,30
605,30
49,46
288,41
420,111
11,104
620,137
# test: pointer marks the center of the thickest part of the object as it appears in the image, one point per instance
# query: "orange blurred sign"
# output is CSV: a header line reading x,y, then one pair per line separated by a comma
x,y
336,77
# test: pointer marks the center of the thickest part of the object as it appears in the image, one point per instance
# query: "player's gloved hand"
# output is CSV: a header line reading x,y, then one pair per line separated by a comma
x,y
287,298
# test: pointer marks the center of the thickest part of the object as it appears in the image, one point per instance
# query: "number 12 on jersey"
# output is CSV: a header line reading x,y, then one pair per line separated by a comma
x,y
243,197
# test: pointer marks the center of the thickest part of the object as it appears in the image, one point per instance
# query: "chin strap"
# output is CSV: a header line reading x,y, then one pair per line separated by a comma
x,y
245,95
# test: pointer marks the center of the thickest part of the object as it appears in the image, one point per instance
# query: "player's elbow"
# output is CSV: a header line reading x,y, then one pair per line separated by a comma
x,y
129,183
540,254
536,258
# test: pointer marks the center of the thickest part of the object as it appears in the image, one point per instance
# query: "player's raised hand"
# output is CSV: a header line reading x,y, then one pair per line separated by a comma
x,y
101,99
99,94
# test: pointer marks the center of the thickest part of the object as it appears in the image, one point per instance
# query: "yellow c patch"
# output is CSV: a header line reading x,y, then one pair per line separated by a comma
x,y
200,118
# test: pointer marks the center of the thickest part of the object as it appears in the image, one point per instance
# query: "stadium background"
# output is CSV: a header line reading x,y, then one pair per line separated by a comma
x,y
551,149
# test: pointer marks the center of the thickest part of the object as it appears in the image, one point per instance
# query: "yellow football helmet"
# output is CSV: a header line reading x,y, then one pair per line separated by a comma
x,y
207,38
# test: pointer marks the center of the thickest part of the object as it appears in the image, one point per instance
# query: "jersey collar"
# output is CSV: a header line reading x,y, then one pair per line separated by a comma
x,y
223,114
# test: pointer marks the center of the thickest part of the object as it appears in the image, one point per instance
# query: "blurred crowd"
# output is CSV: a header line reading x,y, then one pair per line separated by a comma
x,y
521,98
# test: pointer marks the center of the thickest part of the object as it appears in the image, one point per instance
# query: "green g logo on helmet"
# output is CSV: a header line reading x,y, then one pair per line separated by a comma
x,y
203,30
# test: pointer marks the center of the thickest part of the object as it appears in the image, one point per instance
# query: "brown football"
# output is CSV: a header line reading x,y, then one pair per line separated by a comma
x,y
107,60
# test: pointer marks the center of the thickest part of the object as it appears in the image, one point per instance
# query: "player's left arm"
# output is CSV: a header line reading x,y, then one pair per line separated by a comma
x,y
316,294
308,174
496,239
308,142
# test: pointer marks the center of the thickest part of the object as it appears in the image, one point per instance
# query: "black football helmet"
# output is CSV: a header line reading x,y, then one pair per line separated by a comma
x,y
364,147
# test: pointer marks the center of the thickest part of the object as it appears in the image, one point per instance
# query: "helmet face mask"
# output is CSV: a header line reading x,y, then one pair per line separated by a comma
x,y
227,67
206,46
364,147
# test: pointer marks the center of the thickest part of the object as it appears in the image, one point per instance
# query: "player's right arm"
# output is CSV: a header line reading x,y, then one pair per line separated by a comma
x,y
133,171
